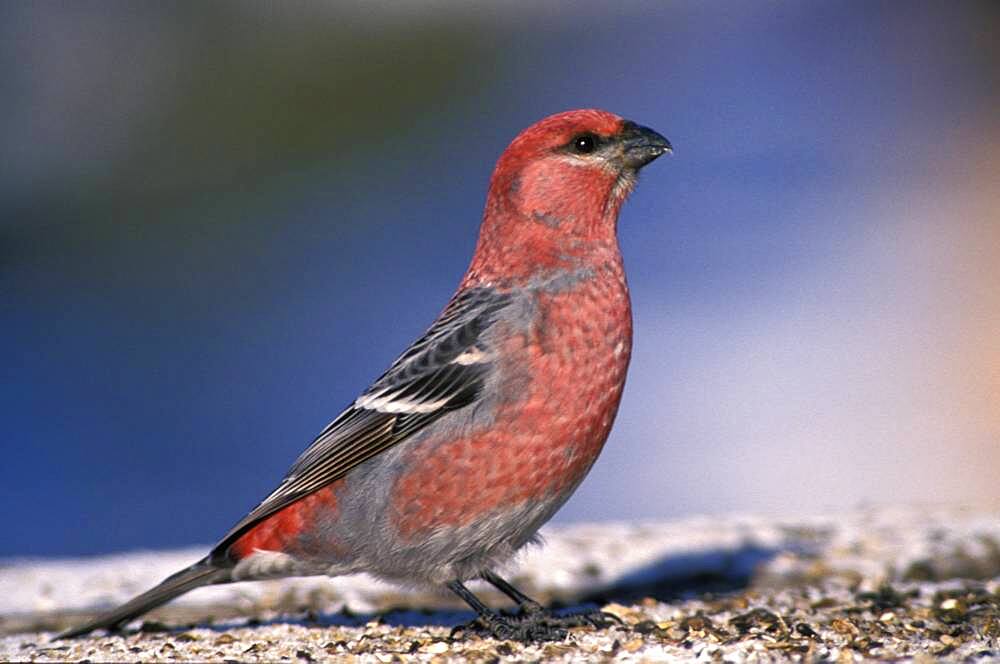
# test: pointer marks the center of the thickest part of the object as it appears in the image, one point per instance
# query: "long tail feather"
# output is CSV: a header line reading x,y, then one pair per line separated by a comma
x,y
200,574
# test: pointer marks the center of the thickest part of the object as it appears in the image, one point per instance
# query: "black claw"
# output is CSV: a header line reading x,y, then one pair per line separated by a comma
x,y
603,619
533,625
510,628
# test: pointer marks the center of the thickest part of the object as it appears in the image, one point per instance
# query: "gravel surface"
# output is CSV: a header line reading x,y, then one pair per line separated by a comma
x,y
881,583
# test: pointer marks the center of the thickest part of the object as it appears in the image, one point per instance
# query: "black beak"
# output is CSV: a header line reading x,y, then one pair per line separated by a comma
x,y
641,145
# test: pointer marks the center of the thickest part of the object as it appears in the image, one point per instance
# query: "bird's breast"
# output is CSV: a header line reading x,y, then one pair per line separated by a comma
x,y
559,373
576,353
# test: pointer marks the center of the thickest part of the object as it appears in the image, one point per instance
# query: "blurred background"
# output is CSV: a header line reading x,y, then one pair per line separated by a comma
x,y
219,222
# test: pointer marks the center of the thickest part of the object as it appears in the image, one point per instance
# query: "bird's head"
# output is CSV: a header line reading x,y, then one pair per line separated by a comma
x,y
557,189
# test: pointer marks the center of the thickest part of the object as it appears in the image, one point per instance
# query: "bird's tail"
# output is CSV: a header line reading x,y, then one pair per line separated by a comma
x,y
202,573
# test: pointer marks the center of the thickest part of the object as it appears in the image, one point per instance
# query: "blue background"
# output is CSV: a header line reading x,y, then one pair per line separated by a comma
x,y
219,222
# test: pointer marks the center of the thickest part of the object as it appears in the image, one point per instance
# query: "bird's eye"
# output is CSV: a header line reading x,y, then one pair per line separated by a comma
x,y
584,143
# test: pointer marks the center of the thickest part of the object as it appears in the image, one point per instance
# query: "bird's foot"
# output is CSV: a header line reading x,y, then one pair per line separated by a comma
x,y
510,628
534,624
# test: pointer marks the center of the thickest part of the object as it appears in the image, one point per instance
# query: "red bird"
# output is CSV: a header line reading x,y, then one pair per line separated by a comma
x,y
452,460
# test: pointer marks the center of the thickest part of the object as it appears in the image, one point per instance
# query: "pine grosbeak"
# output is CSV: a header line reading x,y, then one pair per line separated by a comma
x,y
452,460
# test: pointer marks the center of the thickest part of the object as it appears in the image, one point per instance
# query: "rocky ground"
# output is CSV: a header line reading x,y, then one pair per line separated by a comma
x,y
879,584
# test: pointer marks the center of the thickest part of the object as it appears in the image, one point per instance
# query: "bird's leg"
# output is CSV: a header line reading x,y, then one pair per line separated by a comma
x,y
525,603
533,623
504,628
531,609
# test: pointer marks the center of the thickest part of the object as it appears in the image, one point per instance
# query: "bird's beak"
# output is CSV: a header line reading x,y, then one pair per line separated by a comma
x,y
641,145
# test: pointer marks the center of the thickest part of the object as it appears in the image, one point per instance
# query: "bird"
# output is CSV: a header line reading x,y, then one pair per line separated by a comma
x,y
473,438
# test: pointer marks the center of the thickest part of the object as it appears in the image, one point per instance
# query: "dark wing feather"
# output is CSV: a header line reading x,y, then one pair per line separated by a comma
x,y
442,371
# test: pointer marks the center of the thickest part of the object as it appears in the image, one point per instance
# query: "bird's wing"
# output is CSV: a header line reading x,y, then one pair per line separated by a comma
x,y
442,371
